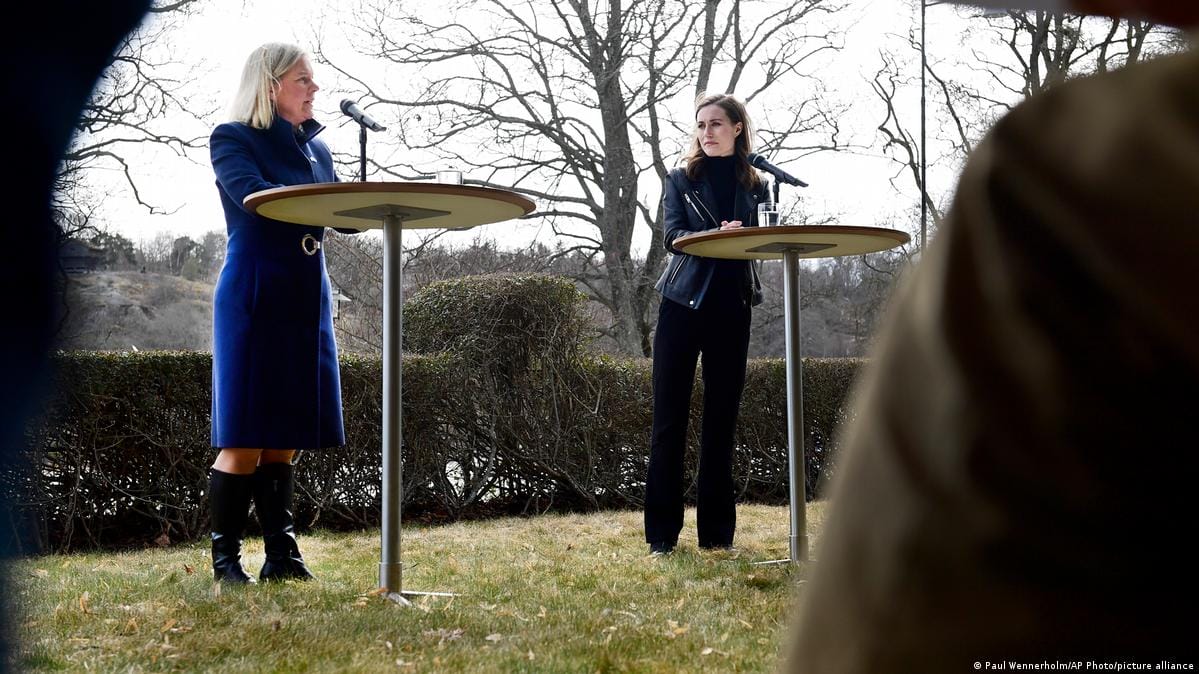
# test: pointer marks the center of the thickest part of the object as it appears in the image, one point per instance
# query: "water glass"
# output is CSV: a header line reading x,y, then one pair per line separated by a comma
x,y
768,214
449,177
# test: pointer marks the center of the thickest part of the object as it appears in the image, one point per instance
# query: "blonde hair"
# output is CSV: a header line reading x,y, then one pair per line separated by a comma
x,y
743,144
253,104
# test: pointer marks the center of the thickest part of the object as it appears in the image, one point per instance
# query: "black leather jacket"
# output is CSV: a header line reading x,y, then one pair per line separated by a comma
x,y
689,208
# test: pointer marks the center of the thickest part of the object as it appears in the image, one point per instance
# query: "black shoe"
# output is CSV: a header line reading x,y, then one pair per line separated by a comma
x,y
274,486
229,508
728,547
660,548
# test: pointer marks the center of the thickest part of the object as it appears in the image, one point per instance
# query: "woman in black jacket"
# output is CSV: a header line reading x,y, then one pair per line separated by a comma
x,y
705,309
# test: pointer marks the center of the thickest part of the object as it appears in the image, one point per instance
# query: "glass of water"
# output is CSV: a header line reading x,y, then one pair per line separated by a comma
x,y
449,177
768,214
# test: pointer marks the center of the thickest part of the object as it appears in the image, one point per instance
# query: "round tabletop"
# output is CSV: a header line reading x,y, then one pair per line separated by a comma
x,y
358,205
769,243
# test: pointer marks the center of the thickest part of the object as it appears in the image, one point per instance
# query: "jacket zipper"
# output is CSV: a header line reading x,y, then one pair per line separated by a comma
x,y
677,269
701,203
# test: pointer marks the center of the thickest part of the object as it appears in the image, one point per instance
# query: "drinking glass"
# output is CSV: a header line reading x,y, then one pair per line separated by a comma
x,y
768,214
449,177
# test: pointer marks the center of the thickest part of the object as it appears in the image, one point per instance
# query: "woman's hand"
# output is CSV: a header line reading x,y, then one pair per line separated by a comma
x,y
730,224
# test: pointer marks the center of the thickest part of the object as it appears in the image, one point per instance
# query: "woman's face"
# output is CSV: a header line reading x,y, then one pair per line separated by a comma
x,y
293,96
715,132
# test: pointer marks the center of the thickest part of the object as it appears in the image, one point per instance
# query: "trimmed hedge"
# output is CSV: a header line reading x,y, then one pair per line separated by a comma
x,y
506,413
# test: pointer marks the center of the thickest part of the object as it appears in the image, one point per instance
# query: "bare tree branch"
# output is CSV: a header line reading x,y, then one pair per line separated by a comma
x,y
573,102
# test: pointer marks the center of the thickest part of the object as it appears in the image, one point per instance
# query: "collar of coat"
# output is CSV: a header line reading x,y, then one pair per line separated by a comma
x,y
307,131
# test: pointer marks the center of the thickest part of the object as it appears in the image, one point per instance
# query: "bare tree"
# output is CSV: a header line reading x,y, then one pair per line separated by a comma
x,y
584,106
1045,49
1025,52
141,88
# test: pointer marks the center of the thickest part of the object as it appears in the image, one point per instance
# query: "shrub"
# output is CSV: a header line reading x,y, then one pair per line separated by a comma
x,y
504,412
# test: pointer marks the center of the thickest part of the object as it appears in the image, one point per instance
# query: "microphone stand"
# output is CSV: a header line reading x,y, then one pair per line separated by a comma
x,y
362,153
797,492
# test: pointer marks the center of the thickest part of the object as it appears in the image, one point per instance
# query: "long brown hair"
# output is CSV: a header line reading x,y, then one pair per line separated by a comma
x,y
743,144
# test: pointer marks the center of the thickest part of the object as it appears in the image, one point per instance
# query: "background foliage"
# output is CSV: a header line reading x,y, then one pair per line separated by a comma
x,y
505,412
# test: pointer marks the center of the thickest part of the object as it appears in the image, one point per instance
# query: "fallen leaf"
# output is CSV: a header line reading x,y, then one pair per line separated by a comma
x,y
494,637
163,540
530,655
541,613
40,573
83,602
131,627
707,651
443,635
676,629
189,569
168,625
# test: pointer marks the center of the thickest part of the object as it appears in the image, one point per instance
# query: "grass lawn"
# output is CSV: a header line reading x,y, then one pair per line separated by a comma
x,y
557,593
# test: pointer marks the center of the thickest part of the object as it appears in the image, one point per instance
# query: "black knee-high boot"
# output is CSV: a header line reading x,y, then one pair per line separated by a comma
x,y
229,508
274,486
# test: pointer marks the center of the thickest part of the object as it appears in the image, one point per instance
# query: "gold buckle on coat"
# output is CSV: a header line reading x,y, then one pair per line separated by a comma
x,y
316,245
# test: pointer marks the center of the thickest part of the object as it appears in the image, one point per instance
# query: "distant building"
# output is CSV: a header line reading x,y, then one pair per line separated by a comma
x,y
77,257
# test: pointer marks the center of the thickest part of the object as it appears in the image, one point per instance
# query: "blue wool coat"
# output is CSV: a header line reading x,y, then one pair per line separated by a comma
x,y
275,382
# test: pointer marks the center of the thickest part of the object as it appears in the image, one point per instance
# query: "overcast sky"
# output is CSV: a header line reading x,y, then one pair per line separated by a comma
x,y
853,187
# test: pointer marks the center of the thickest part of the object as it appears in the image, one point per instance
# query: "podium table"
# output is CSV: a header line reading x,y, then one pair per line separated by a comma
x,y
791,244
392,207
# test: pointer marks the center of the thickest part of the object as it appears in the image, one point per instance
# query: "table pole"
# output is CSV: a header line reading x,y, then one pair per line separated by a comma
x,y
795,448
390,566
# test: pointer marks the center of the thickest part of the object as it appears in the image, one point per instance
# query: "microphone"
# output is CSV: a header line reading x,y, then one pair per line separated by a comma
x,y
351,109
759,162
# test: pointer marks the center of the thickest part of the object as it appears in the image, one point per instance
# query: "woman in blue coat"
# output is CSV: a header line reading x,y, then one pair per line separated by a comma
x,y
275,383
705,312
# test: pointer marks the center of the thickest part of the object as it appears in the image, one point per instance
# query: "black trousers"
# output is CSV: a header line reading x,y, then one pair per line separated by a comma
x,y
719,330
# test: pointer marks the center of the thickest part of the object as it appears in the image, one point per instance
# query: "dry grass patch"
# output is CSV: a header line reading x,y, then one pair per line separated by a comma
x,y
558,593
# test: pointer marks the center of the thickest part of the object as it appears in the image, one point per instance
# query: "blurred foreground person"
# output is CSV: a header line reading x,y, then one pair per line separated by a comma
x,y
1017,484
48,78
